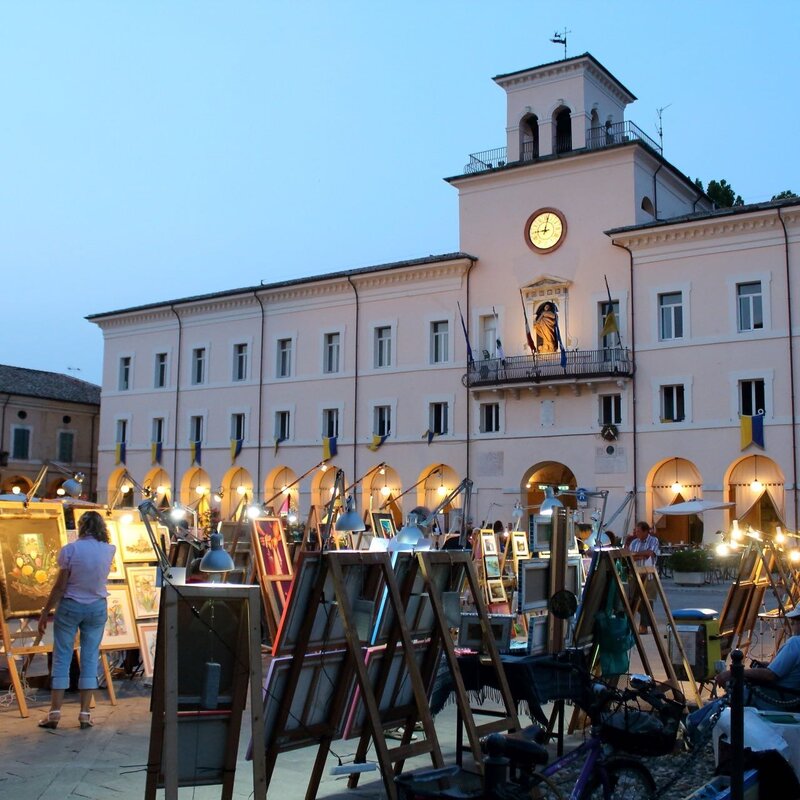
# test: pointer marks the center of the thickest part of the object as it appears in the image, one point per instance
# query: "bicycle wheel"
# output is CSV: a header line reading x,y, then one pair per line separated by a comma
x,y
626,777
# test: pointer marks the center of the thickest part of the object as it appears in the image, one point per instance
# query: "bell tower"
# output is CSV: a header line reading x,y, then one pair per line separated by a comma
x,y
560,107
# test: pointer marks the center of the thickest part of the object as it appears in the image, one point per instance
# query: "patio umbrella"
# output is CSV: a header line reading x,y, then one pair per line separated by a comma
x,y
692,507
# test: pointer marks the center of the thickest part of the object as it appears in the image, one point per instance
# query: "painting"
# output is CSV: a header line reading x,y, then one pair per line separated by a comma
x,y
145,594
273,564
383,525
29,548
496,592
135,544
488,543
147,633
492,566
117,572
519,544
120,632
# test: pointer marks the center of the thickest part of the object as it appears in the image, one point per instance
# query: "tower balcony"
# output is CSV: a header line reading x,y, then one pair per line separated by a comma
x,y
596,139
579,366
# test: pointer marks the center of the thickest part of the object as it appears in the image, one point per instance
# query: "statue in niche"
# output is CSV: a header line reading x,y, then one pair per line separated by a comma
x,y
544,328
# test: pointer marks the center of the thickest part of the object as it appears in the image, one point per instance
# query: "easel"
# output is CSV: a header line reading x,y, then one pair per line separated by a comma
x,y
210,736
444,571
332,612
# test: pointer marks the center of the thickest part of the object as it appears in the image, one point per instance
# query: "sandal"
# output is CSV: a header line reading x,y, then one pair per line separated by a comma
x,y
51,720
85,720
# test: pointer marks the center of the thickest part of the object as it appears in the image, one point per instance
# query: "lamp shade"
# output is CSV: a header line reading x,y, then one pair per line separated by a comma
x,y
216,559
72,487
350,520
550,502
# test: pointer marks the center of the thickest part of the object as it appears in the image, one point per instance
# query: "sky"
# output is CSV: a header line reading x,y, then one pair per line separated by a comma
x,y
154,150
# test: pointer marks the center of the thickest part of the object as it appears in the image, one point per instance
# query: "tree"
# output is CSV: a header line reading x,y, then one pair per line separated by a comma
x,y
723,195
786,194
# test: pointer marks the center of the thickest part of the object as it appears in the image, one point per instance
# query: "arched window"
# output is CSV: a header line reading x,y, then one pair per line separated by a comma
x,y
529,138
563,130
647,206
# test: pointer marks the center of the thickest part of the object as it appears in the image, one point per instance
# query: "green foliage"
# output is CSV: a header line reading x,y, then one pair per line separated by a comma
x,y
721,192
786,194
691,560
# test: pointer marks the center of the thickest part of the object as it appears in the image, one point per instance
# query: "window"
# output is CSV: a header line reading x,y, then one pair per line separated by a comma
x,y
750,309
670,315
122,431
490,418
437,418
751,397
672,404
66,446
21,443
330,422
160,373
282,423
125,373
610,338
330,358
488,341
284,358
382,420
157,430
440,336
237,427
196,429
611,409
198,366
240,362
383,346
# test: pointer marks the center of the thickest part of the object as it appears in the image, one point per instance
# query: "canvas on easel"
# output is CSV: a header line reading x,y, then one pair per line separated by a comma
x,y
273,567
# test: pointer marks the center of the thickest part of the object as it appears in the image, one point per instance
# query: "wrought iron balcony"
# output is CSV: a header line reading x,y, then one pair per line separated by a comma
x,y
530,370
596,139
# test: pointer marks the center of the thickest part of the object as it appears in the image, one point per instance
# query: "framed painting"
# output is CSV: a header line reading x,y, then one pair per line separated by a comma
x,y
273,564
491,565
496,592
147,633
120,632
383,525
519,544
117,572
145,594
135,544
488,543
29,545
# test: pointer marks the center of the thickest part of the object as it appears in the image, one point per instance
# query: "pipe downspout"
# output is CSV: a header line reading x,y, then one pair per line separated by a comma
x,y
3,423
177,394
655,190
633,386
355,381
469,394
791,365
260,396
92,458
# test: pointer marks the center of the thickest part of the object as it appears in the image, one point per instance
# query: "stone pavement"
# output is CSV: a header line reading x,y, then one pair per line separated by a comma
x,y
108,760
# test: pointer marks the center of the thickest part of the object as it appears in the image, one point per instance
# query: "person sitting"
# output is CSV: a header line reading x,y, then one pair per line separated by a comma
x,y
777,685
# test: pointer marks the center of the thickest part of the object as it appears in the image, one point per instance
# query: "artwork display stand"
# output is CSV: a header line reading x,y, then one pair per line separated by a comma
x,y
444,571
330,618
208,651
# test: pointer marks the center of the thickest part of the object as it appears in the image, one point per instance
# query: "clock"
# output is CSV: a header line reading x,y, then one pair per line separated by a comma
x,y
545,230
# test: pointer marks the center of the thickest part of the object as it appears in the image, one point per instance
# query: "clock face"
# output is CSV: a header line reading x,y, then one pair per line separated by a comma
x,y
545,230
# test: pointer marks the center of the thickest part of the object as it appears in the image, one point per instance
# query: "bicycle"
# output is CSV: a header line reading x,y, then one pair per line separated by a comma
x,y
620,729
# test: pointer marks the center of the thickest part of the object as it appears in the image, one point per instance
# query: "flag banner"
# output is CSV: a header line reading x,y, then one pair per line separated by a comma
x,y
429,434
236,448
500,353
528,337
561,345
610,325
277,441
196,450
120,452
470,359
329,448
377,441
156,452
751,431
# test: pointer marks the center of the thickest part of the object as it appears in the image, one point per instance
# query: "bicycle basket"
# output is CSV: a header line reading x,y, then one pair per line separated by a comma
x,y
638,732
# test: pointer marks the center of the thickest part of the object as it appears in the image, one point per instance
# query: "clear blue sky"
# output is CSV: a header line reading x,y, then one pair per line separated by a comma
x,y
154,150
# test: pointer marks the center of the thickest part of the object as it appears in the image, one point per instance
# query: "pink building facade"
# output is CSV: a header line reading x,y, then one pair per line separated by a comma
x,y
578,214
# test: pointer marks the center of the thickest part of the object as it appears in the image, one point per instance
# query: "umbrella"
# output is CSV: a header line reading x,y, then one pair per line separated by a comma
x,y
692,507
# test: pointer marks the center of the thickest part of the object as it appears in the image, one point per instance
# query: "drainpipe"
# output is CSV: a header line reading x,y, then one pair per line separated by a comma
x,y
655,193
260,395
469,440
92,461
633,385
791,365
355,382
177,393
3,423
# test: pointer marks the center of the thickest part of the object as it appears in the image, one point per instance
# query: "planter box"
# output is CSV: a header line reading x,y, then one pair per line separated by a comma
x,y
689,578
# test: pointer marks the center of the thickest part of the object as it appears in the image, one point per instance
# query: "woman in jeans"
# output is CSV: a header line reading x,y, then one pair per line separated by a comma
x,y
79,595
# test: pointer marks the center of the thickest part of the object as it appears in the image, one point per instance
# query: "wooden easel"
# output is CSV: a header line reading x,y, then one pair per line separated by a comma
x,y
444,571
178,712
332,611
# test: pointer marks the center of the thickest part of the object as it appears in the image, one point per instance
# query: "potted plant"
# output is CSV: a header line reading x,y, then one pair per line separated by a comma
x,y
690,566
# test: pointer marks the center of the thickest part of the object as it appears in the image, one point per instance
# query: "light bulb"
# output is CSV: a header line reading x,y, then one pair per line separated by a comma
x,y
201,490
722,549
285,489
385,491
756,485
794,555
126,519
177,512
216,497
253,512
60,491
676,487
125,488
323,467
161,489
779,535
442,490
240,490
15,490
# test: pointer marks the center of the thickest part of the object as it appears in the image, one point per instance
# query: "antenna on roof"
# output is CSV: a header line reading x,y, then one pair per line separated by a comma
x,y
660,127
561,38
74,369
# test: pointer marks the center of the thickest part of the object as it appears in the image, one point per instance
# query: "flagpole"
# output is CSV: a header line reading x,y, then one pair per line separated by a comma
x,y
611,309
528,336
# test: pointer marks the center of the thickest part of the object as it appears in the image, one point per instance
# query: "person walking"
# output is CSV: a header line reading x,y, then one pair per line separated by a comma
x,y
79,597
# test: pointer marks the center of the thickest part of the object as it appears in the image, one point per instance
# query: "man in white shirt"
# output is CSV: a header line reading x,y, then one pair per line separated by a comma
x,y
645,549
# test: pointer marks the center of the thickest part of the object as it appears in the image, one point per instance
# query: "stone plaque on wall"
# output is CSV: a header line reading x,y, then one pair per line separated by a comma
x,y
610,458
489,465
547,413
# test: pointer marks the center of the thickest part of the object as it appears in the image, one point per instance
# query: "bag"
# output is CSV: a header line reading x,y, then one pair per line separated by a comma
x,y
614,638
